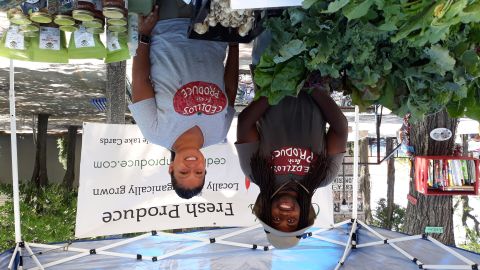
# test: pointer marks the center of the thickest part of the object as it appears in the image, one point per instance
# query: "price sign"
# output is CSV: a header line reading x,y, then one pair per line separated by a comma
x,y
433,229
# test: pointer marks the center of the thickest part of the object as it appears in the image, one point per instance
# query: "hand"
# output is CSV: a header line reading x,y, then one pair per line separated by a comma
x,y
147,23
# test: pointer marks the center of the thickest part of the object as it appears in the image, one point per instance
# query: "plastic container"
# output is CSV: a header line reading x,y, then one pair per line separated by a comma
x,y
218,32
132,41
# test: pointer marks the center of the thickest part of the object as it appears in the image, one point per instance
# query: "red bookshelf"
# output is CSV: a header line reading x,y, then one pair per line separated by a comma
x,y
423,169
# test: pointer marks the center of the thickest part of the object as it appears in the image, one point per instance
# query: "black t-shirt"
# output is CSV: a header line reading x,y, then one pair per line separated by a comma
x,y
292,133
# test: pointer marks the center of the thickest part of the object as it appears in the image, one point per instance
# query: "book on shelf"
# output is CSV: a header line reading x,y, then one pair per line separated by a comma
x,y
458,188
449,174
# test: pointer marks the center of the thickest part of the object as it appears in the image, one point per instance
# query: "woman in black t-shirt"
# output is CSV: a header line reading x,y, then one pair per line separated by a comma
x,y
285,150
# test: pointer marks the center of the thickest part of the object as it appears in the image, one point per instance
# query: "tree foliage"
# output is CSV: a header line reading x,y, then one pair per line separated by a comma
x,y
415,57
380,217
47,214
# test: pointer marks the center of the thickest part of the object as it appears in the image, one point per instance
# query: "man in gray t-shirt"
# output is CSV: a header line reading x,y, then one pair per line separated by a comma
x,y
183,95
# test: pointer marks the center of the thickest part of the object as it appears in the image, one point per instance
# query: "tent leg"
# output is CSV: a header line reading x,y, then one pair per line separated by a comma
x,y
32,255
14,255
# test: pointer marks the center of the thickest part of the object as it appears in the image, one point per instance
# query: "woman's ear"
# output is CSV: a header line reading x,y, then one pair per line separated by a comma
x,y
312,215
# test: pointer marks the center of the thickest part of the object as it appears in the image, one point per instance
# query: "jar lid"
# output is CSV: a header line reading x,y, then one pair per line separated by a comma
x,y
82,15
64,20
20,19
95,23
117,28
31,34
113,12
68,28
114,3
40,17
29,28
120,22
85,5
95,30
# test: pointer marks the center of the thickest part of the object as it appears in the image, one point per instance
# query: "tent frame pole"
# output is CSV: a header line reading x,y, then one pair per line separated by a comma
x,y
13,141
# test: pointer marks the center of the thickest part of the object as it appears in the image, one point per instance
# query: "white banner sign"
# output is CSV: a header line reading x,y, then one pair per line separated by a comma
x,y
125,187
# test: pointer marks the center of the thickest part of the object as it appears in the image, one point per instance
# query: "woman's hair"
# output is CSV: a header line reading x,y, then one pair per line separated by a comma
x,y
262,172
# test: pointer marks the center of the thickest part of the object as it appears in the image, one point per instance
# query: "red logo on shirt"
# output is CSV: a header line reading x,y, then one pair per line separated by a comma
x,y
292,160
199,97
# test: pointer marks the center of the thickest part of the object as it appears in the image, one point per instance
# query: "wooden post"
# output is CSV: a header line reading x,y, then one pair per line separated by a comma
x,y
69,177
390,184
40,176
115,92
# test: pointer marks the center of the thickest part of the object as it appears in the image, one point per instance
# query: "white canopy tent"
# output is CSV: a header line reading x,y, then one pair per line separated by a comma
x,y
350,244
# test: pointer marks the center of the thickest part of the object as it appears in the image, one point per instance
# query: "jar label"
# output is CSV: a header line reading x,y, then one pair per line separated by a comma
x,y
113,44
65,6
83,39
49,38
98,4
15,39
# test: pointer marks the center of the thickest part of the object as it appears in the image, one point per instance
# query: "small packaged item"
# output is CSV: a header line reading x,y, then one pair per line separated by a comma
x,y
85,45
49,46
117,48
14,45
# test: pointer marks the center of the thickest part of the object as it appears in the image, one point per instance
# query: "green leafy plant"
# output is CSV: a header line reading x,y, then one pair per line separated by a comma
x,y
415,57
48,215
380,216
473,241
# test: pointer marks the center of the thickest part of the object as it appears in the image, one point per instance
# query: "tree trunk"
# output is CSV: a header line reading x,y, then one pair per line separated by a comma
x,y
434,211
115,92
390,184
40,177
364,180
71,144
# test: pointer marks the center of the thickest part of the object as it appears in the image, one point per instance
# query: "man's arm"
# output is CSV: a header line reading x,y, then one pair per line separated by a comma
x,y
338,132
247,120
230,76
141,84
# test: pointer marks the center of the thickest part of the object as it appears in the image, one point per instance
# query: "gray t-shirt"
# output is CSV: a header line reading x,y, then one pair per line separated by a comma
x,y
187,76
292,133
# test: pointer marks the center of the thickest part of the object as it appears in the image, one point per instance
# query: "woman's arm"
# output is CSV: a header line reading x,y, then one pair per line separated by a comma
x,y
338,132
230,76
247,120
141,84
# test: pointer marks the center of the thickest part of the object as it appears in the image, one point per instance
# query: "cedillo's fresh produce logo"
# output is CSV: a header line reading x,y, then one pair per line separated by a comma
x,y
199,97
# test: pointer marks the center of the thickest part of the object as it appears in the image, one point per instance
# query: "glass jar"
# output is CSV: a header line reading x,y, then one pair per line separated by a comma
x,y
40,17
16,16
114,9
84,11
64,20
96,25
30,6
